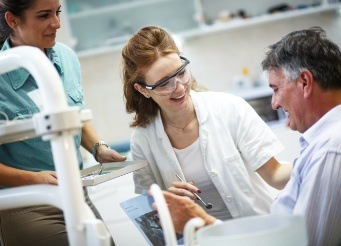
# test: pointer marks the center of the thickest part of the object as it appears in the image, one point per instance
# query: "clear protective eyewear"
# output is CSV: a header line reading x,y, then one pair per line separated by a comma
x,y
167,85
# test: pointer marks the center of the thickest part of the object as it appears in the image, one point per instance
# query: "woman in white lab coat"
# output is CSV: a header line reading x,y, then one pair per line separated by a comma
x,y
213,140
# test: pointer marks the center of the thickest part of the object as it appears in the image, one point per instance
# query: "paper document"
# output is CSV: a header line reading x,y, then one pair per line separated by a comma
x,y
139,209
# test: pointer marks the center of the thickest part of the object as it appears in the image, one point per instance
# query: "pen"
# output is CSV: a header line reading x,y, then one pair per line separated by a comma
x,y
207,205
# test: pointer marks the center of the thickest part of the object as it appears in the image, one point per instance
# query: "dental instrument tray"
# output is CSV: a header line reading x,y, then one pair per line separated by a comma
x,y
106,171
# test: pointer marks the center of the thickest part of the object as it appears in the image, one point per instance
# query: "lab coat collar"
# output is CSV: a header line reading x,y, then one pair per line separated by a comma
x,y
199,107
159,126
202,114
19,76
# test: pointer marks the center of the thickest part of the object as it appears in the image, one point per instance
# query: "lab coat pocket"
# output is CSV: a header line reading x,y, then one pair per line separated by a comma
x,y
239,173
236,166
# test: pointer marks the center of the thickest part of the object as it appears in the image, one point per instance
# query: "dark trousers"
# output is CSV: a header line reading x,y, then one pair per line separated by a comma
x,y
37,225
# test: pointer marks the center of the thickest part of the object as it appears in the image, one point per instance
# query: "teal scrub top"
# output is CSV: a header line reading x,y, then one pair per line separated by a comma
x,y
36,154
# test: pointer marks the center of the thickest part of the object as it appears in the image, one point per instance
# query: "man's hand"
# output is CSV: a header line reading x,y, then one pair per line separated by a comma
x,y
105,154
182,209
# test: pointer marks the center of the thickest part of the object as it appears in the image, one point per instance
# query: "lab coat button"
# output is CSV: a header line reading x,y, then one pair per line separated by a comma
x,y
213,174
228,198
246,191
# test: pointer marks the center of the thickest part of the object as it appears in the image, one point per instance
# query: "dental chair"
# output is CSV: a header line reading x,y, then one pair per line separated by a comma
x,y
57,123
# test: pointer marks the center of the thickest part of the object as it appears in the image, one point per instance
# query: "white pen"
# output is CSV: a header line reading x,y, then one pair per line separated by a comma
x,y
207,205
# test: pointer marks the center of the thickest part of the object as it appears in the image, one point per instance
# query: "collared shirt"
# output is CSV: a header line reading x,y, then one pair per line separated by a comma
x,y
234,143
314,189
35,154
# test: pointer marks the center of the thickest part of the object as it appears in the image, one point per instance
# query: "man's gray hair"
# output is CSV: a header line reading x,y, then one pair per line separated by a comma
x,y
306,50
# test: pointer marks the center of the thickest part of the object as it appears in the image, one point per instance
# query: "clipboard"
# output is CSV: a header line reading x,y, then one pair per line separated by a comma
x,y
106,171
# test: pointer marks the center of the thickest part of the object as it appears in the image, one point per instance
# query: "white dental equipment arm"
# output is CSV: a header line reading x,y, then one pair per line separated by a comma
x,y
57,123
164,214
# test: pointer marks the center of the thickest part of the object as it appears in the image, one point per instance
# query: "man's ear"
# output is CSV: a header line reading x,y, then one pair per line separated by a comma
x,y
11,19
142,90
306,78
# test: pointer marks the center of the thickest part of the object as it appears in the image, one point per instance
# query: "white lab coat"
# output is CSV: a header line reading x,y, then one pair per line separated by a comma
x,y
234,142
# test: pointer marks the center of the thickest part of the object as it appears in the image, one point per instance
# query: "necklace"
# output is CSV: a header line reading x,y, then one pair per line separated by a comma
x,y
181,128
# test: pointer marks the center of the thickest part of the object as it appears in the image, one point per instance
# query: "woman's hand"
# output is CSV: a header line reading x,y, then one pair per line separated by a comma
x,y
105,154
10,176
184,189
44,177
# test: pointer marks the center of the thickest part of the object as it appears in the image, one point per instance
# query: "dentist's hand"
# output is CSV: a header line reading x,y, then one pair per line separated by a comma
x,y
105,154
184,189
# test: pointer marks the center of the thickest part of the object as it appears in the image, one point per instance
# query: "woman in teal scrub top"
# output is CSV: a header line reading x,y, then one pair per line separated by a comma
x,y
35,23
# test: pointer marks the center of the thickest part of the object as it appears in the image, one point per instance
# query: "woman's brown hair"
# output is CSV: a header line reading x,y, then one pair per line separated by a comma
x,y
17,8
141,51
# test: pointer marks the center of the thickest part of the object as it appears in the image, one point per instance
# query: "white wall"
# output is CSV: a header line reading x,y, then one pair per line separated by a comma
x,y
215,59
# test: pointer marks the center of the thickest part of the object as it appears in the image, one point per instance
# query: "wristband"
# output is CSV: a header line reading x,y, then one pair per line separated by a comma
x,y
95,148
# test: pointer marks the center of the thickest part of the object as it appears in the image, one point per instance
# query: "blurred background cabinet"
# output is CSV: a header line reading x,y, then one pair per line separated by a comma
x,y
102,23
98,24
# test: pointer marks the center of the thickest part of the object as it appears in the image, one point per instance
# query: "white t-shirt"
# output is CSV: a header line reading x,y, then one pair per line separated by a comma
x,y
193,168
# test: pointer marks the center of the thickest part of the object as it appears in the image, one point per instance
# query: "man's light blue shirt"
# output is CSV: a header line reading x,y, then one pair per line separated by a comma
x,y
314,189
35,154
